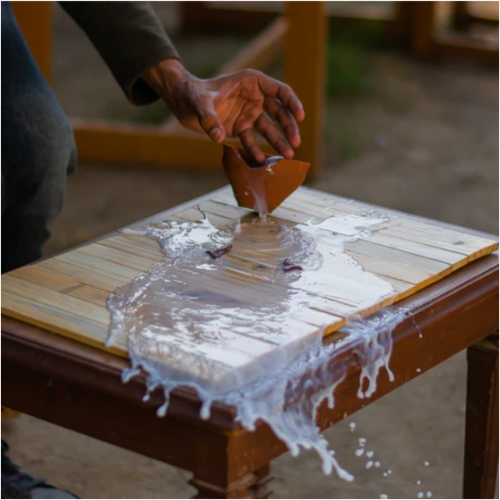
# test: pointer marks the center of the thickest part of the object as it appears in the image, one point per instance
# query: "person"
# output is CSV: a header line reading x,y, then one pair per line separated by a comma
x,y
38,149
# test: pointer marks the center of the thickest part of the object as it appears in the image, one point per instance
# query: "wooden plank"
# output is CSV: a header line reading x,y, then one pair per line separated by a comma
x,y
402,288
299,207
413,236
90,294
55,300
73,288
460,17
93,264
116,256
238,18
423,28
247,296
195,216
226,204
199,17
38,276
305,206
134,245
231,212
67,324
35,22
226,197
97,279
394,263
435,236
325,208
466,47
290,215
218,216
132,145
125,144
305,52
321,319
413,247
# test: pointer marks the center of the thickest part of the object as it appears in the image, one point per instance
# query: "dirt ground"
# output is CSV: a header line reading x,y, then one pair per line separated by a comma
x,y
425,141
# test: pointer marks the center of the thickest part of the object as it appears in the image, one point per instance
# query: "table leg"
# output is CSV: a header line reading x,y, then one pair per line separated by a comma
x,y
253,485
481,426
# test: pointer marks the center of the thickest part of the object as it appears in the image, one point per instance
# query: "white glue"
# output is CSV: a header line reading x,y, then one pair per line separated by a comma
x,y
181,334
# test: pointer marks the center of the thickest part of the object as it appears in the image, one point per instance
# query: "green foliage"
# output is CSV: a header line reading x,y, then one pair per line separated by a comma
x,y
348,70
348,77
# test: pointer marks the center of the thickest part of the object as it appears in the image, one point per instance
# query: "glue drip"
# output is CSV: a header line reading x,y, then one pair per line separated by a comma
x,y
234,340
257,188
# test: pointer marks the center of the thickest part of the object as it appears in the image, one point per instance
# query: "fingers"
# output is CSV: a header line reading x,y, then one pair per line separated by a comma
x,y
287,122
267,129
249,143
273,88
208,118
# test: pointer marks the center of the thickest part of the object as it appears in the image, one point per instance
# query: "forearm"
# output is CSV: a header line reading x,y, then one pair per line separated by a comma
x,y
233,105
186,96
165,76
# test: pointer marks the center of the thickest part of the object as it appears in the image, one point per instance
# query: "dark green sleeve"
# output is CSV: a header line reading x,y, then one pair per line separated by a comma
x,y
130,39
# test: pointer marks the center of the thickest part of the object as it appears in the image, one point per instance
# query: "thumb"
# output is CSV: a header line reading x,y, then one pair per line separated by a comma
x,y
208,118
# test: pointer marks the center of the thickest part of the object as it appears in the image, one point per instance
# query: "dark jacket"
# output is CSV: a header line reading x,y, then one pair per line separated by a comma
x,y
130,39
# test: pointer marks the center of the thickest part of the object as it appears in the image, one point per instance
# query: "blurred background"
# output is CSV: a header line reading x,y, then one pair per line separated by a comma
x,y
410,123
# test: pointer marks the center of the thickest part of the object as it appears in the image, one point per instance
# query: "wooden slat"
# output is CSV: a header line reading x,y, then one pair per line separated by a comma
x,y
123,144
90,294
226,197
291,215
434,236
394,263
320,319
39,276
460,46
134,245
94,264
199,17
422,27
35,21
56,300
68,293
99,280
64,323
414,247
402,288
319,198
300,208
220,221
115,256
214,207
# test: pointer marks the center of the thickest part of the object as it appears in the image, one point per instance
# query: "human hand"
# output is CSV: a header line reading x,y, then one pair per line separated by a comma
x,y
232,105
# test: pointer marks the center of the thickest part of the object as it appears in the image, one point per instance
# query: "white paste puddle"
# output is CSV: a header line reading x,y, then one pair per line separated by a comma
x,y
234,327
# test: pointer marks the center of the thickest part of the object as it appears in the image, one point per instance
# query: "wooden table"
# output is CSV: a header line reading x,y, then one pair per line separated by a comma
x,y
79,387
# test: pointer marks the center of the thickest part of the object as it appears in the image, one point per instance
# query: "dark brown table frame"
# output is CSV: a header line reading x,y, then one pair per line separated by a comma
x,y
79,387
